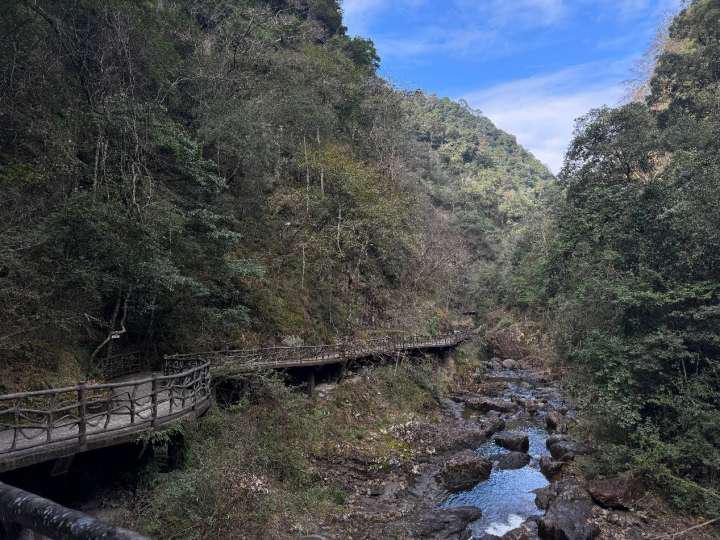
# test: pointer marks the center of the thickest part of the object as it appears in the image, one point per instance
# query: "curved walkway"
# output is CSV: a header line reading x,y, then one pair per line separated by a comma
x,y
49,424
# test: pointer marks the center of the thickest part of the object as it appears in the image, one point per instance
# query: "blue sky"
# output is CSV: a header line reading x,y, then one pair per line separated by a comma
x,y
532,66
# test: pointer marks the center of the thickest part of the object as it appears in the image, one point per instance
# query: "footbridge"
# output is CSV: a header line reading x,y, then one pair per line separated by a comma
x,y
57,423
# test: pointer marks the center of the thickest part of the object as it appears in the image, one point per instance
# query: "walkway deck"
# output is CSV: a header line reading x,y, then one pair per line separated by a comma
x,y
50,424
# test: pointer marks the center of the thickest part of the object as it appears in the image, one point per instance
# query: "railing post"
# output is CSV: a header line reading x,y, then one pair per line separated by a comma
x,y
50,422
82,410
133,395
196,379
153,399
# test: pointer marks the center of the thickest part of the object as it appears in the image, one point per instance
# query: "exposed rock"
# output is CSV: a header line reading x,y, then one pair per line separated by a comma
x,y
493,425
566,449
472,437
464,470
555,421
324,390
518,442
530,405
485,405
554,439
509,363
527,531
446,523
616,493
551,468
513,460
569,512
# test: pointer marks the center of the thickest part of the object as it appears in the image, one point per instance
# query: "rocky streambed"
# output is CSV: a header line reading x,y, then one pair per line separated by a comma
x,y
498,464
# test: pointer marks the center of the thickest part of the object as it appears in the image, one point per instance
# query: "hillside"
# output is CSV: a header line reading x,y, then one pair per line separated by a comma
x,y
184,175
623,263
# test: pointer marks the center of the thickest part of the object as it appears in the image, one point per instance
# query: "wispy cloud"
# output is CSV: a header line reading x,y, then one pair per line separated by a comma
x,y
541,111
467,42
436,40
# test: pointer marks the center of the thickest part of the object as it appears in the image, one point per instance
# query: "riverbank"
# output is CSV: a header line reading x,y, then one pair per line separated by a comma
x,y
405,450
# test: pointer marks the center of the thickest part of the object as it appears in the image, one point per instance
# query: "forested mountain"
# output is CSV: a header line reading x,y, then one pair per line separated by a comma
x,y
625,262
192,173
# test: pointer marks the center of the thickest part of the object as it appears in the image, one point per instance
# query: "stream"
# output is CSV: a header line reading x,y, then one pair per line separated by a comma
x,y
507,497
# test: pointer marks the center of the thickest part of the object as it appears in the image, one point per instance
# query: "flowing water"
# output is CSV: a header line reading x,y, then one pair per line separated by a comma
x,y
506,498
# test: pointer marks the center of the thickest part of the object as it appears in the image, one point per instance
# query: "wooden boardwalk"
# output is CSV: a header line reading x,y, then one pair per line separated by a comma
x,y
50,424
316,355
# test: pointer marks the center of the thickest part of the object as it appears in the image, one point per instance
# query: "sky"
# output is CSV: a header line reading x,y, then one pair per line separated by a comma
x,y
531,66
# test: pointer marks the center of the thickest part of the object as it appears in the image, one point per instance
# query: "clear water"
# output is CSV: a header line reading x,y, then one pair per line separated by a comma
x,y
506,498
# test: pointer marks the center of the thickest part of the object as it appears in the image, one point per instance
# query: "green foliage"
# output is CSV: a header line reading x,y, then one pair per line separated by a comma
x,y
253,467
626,260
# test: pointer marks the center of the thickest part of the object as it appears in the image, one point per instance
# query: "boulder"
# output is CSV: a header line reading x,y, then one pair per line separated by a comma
x,y
569,513
566,449
509,363
615,493
446,523
518,442
485,405
513,460
472,437
464,470
527,531
492,425
550,468
530,405
555,421
474,434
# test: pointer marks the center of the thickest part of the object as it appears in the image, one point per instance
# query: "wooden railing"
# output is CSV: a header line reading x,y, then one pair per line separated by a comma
x,y
83,415
46,424
277,357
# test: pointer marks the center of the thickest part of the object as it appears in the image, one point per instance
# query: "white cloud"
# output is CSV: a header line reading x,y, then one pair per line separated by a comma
x,y
436,40
526,12
541,111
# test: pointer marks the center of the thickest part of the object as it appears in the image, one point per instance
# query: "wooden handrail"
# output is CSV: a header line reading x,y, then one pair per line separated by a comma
x,y
84,416
79,413
304,354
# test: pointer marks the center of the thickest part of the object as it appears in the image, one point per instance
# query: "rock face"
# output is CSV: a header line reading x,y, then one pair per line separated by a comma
x,y
485,405
464,470
555,422
615,493
446,523
565,449
513,460
569,512
526,531
517,442
509,364
551,468
475,434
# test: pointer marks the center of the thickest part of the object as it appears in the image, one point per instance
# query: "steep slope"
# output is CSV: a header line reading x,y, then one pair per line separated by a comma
x,y
236,172
625,261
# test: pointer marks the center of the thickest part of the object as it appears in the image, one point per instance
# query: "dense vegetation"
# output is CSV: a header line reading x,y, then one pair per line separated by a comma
x,y
189,173
625,259
184,174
